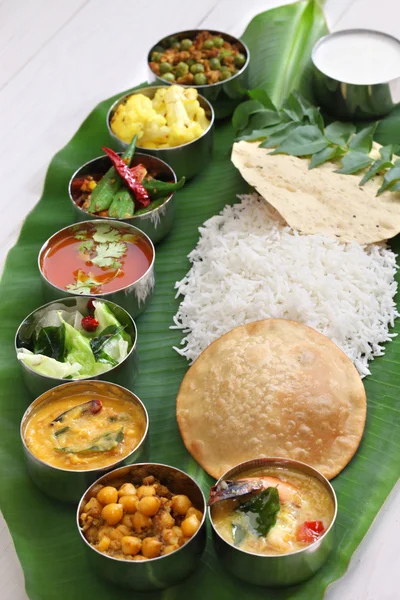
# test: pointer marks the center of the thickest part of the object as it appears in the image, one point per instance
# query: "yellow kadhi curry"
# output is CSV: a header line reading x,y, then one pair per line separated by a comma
x,y
84,431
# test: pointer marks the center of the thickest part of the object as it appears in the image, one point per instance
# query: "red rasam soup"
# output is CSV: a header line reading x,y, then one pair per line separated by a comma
x,y
95,258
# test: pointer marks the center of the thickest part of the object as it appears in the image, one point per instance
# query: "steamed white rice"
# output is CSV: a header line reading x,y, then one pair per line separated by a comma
x,y
249,265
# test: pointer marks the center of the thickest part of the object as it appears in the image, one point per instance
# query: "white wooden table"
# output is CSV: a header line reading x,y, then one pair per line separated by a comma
x,y
58,59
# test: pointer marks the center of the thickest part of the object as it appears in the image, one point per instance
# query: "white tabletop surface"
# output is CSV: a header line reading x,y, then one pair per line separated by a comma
x,y
59,58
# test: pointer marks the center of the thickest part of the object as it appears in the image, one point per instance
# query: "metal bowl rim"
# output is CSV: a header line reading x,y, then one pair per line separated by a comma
x,y
205,85
93,377
110,222
155,150
137,217
290,463
346,32
31,407
122,560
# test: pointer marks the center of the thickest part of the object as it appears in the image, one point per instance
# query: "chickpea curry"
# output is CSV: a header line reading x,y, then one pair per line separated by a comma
x,y
84,431
138,522
271,512
203,60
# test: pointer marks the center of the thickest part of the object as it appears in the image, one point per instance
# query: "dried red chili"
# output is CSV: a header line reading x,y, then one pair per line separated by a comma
x,y
89,323
140,193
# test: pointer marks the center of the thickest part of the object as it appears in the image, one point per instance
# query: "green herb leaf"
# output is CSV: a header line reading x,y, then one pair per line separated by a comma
x,y
262,510
83,284
395,187
243,112
61,431
106,233
390,180
258,134
238,534
86,246
397,162
362,141
108,253
92,406
302,141
353,162
81,235
261,96
97,344
375,168
280,134
386,152
262,119
102,443
324,155
339,133
50,341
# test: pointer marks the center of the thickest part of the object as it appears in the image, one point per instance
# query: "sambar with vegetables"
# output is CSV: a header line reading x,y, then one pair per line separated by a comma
x,y
86,430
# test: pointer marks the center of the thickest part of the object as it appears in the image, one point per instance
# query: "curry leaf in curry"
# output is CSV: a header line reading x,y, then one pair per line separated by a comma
x,y
262,510
97,344
102,443
50,341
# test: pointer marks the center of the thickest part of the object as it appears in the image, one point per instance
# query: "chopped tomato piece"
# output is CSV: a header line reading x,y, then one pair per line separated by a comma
x,y
310,531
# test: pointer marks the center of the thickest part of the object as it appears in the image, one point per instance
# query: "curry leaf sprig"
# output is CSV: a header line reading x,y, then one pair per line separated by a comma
x,y
298,129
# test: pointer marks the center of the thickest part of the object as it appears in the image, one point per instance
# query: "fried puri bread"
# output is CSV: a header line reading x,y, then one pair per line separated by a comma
x,y
272,388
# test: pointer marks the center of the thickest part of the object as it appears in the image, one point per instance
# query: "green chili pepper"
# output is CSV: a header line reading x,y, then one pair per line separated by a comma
x,y
109,184
158,189
122,205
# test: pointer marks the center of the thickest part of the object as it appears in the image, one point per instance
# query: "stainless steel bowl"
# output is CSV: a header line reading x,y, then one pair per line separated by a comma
x,y
124,373
156,223
134,298
67,485
155,573
223,95
186,160
284,569
354,101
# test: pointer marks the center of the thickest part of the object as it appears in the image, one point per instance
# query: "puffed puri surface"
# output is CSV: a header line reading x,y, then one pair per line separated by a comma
x,y
272,388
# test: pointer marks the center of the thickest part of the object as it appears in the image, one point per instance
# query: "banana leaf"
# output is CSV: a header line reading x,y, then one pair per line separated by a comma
x,y
43,530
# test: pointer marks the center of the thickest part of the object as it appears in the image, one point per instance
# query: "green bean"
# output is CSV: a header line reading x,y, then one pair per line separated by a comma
x,y
109,184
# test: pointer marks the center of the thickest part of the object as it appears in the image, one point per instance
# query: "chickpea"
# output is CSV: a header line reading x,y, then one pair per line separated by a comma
x,y
108,495
169,537
131,545
116,535
130,503
146,490
103,544
123,529
164,520
170,548
149,479
140,522
151,547
149,505
177,531
127,489
193,511
112,513
181,504
139,557
127,520
190,525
